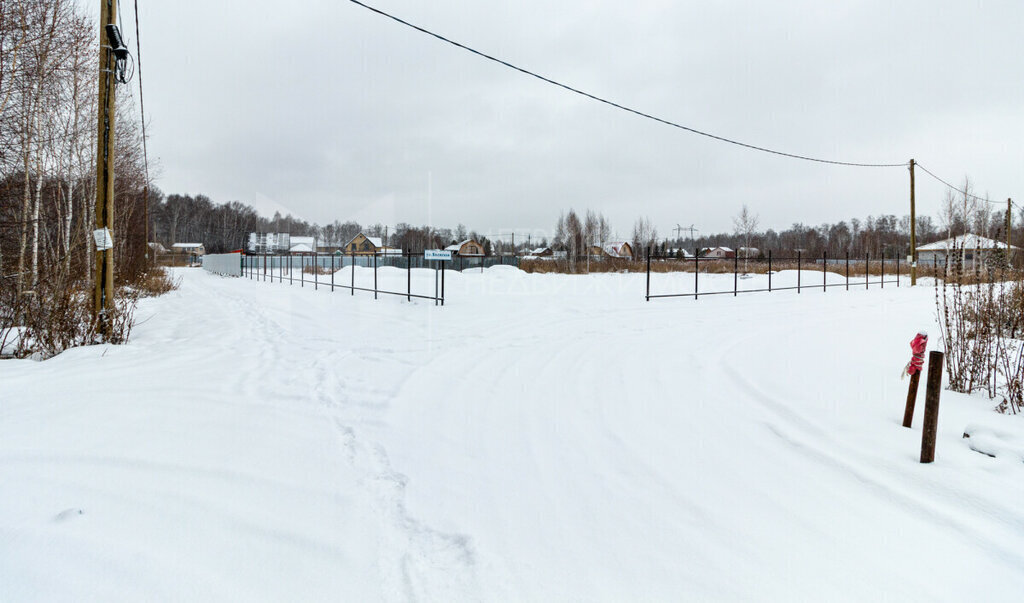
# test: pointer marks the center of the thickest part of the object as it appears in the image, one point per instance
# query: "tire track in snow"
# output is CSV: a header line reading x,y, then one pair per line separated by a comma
x,y
815,442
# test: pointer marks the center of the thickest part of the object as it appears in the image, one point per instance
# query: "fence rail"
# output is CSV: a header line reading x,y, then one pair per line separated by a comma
x,y
293,268
854,272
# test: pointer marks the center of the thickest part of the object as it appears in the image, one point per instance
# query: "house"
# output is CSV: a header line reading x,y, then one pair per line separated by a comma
x,y
541,252
719,252
748,252
193,249
302,245
467,248
971,247
364,245
678,252
614,249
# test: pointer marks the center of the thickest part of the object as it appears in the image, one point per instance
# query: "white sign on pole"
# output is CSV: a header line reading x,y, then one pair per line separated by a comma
x,y
437,254
104,240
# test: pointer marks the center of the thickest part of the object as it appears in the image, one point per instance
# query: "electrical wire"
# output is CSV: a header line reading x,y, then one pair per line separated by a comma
x,y
962,192
142,104
619,106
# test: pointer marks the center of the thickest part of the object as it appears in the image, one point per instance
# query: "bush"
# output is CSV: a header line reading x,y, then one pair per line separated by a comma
x,y
981,316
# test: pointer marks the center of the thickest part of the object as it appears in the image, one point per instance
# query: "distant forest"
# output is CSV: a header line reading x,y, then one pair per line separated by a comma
x,y
225,227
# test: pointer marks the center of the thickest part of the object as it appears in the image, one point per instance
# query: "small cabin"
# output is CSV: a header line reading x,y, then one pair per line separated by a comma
x,y
193,249
467,248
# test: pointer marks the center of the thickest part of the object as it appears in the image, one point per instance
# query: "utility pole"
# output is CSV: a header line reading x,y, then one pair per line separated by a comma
x,y
1009,227
103,297
913,230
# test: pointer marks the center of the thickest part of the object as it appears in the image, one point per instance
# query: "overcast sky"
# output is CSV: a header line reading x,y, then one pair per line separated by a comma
x,y
328,111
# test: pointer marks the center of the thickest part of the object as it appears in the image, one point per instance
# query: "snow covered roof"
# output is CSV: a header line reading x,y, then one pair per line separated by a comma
x,y
308,241
615,249
389,250
300,248
539,250
457,246
187,245
375,241
968,241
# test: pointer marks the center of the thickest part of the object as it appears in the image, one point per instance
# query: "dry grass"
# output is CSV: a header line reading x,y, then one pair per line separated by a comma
x,y
709,266
322,270
156,281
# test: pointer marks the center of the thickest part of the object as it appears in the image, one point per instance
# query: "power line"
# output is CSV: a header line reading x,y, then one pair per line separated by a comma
x,y
617,105
962,192
142,105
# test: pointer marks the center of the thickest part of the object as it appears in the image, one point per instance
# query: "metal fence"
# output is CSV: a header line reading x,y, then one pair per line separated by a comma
x,y
293,270
853,272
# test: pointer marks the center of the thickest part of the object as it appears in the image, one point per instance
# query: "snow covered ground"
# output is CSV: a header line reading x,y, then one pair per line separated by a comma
x,y
539,438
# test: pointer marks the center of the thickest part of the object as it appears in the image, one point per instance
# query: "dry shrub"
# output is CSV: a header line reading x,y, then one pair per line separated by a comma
x,y
323,270
156,281
981,316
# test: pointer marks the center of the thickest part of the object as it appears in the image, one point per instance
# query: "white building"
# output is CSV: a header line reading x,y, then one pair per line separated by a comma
x,y
972,248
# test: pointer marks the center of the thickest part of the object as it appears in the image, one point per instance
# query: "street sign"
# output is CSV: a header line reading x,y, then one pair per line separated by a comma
x,y
437,254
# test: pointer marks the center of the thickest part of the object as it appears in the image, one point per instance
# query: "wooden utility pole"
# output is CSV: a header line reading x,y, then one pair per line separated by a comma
x,y
1009,228
103,297
913,230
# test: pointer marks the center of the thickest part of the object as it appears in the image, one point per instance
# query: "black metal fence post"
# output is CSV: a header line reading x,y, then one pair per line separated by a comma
x,y
897,271
647,296
374,275
847,269
798,264
352,289
867,270
696,272
735,273
316,271
442,283
332,273
882,282
824,271
769,271
408,276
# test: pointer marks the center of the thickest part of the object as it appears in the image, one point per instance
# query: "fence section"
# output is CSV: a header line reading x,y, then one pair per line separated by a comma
x,y
330,271
765,274
227,264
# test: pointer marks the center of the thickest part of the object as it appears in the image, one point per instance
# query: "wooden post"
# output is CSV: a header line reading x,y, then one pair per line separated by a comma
x,y
913,230
1009,228
931,407
103,293
908,412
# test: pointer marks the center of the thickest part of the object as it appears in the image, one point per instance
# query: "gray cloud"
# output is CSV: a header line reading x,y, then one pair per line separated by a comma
x,y
329,112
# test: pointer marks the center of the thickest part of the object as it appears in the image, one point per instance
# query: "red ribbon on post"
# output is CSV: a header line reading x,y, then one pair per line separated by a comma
x,y
917,346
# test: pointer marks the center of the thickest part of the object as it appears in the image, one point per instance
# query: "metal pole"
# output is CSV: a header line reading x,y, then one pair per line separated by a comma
x,y
769,271
735,273
435,283
824,271
316,271
696,273
332,273
374,275
352,289
442,283
798,262
408,276
648,294
302,270
847,269
867,270
882,282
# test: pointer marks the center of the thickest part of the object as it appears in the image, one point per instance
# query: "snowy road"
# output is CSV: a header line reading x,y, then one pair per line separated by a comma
x,y
540,438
